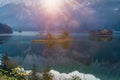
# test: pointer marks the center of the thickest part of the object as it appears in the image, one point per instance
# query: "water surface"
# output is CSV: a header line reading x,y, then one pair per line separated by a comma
x,y
96,55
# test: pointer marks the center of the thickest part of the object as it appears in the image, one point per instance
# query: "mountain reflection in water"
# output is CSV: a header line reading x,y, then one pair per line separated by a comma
x,y
3,39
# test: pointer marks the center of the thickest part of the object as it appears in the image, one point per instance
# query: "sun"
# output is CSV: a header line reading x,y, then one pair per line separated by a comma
x,y
52,6
52,3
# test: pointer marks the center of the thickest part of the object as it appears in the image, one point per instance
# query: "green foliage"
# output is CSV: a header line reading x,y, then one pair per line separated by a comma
x,y
75,78
5,75
47,75
7,70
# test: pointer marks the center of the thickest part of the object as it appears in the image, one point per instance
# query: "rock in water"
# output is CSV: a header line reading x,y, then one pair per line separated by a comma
x,y
77,76
5,29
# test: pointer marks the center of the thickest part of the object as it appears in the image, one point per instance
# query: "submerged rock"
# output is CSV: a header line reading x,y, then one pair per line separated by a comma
x,y
76,75
5,29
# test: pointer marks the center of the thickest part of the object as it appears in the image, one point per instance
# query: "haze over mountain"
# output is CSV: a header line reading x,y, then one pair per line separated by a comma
x,y
19,15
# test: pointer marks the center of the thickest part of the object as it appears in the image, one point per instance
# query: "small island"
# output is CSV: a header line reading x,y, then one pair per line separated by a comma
x,y
5,29
55,38
102,32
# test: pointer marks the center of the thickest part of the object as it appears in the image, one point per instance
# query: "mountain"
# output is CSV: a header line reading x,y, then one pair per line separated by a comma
x,y
22,17
5,29
108,14
98,16
18,16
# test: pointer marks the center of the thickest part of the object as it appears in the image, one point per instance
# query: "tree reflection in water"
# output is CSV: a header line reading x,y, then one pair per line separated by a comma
x,y
63,52
101,38
53,44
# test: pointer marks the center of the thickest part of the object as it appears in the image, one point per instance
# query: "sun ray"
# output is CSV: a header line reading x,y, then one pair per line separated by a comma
x,y
62,12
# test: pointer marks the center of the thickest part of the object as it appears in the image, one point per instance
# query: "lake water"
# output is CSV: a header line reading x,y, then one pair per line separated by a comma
x,y
95,55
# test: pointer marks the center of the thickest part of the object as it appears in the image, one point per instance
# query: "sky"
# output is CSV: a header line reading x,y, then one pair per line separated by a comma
x,y
74,13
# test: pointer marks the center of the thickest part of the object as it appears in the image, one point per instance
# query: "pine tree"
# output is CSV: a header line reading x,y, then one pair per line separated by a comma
x,y
46,74
34,74
5,61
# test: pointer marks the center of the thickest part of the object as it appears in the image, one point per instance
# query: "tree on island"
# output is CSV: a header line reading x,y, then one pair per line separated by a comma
x,y
64,35
51,37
